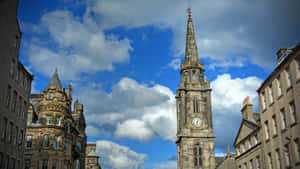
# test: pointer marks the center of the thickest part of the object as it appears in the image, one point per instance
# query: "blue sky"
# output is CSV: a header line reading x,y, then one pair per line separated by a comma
x,y
123,57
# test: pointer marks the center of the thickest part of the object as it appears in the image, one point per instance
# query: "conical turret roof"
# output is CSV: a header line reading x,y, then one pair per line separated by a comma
x,y
55,82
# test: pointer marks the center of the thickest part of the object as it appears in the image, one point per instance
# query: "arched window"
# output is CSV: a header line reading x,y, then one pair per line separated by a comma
x,y
197,156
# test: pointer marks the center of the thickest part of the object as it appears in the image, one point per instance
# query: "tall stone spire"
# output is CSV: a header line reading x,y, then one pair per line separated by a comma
x,y
191,51
55,82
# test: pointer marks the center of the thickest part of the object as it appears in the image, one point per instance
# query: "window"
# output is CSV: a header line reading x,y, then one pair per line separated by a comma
x,y
287,156
270,161
65,166
45,164
298,65
197,156
6,162
12,65
20,107
12,163
18,164
66,147
9,132
245,166
277,155
21,137
256,138
293,112
68,127
271,94
257,162
14,102
46,140
51,96
297,149
274,125
55,145
54,164
25,108
15,135
21,76
28,141
27,164
79,145
4,127
17,74
288,76
48,120
8,96
266,130
57,120
279,86
283,119
28,118
252,164
263,100
77,164
196,105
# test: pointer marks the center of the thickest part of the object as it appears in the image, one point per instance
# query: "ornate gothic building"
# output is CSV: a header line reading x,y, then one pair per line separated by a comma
x,y
55,134
195,138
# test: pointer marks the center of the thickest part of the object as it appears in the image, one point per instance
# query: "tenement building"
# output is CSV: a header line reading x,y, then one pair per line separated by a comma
x,y
279,98
92,159
55,135
195,138
15,86
270,139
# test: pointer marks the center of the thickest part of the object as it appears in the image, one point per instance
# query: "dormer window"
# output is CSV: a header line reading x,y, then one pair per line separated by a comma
x,y
51,96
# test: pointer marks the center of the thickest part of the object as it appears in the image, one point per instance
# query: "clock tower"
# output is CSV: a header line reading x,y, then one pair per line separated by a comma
x,y
195,138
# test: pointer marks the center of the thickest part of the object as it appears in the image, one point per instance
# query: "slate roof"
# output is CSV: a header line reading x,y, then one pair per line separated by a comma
x,y
55,82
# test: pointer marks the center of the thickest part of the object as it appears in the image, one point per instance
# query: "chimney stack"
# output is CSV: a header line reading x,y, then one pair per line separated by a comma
x,y
247,110
69,92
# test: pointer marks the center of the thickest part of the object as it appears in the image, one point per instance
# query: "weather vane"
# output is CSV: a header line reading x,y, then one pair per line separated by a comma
x,y
189,12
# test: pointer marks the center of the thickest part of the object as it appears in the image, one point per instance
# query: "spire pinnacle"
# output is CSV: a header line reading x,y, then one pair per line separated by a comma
x,y
189,12
228,150
191,51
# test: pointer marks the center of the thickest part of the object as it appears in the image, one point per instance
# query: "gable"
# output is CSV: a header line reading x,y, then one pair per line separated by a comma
x,y
245,129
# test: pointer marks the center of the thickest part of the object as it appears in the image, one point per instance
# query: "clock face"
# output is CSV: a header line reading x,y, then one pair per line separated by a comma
x,y
196,122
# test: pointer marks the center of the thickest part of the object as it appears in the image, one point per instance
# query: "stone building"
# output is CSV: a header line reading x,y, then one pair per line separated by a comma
x,y
195,138
279,98
247,143
15,86
270,139
92,159
55,135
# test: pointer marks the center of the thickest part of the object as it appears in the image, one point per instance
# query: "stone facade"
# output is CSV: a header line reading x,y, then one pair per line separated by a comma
x,y
195,138
92,159
279,98
247,143
15,86
55,135
270,139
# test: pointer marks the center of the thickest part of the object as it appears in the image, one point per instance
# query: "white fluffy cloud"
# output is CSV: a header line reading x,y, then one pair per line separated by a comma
x,y
79,45
115,156
131,110
227,97
223,34
140,112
